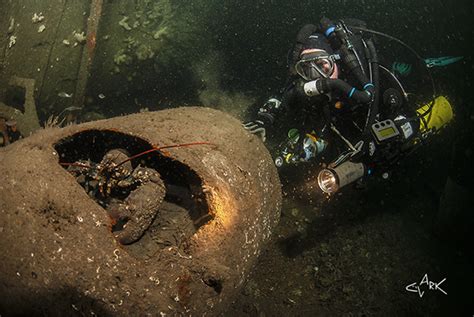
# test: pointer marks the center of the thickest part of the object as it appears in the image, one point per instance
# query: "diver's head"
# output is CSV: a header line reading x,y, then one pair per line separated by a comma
x,y
316,63
316,59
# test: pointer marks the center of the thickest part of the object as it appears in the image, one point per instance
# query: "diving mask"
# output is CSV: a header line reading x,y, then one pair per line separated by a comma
x,y
316,63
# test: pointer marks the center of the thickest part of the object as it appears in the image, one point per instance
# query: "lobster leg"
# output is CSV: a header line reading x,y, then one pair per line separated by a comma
x,y
140,207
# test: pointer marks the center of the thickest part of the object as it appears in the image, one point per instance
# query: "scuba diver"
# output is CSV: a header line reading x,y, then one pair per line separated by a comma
x,y
8,132
356,117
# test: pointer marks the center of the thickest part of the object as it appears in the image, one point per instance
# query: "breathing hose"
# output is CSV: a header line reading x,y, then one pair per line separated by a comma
x,y
421,59
325,85
374,105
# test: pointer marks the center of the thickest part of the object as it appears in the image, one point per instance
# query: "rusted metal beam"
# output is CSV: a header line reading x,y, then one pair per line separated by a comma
x,y
88,51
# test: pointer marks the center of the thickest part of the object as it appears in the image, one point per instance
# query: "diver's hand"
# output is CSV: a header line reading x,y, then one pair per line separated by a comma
x,y
265,118
270,105
256,127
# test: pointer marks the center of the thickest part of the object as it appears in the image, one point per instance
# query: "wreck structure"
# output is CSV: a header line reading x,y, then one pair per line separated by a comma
x,y
218,199
84,56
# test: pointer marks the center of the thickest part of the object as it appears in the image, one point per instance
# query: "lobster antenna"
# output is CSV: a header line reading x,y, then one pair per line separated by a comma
x,y
160,148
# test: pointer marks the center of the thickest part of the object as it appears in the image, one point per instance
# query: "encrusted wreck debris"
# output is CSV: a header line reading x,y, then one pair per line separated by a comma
x,y
60,254
28,119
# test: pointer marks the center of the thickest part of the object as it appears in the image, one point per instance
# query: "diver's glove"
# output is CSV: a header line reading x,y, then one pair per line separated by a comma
x,y
256,127
265,118
270,106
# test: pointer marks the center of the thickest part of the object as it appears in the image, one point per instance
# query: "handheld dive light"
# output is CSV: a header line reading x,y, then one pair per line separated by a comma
x,y
330,180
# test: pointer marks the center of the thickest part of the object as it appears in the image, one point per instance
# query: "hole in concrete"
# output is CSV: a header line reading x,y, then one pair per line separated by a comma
x,y
215,283
184,208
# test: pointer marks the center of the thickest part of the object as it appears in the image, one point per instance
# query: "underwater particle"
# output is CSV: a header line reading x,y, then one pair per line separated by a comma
x,y
297,292
79,37
123,23
11,26
131,42
64,94
315,270
122,58
144,52
66,42
101,96
158,34
41,28
12,41
294,212
37,17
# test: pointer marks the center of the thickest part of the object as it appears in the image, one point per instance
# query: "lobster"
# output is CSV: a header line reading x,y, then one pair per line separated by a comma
x,y
131,196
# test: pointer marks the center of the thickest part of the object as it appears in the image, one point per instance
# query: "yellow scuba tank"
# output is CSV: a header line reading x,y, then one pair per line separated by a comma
x,y
441,114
